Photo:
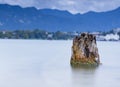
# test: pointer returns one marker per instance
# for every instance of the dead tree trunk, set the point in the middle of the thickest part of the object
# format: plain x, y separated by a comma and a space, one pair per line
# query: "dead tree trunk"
84, 50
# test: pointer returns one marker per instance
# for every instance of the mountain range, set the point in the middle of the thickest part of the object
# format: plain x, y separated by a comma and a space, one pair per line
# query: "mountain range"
14, 17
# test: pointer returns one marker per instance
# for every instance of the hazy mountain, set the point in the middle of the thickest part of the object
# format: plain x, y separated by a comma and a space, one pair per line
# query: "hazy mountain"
16, 17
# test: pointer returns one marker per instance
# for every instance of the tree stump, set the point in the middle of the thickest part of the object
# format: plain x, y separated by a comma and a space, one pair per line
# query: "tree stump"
85, 51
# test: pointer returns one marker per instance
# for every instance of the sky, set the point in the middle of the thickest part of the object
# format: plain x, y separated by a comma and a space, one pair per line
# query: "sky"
73, 6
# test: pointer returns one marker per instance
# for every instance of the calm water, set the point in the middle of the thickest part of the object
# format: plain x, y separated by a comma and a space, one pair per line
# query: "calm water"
37, 63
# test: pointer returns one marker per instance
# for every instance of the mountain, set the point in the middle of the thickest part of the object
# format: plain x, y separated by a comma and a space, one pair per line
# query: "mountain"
16, 17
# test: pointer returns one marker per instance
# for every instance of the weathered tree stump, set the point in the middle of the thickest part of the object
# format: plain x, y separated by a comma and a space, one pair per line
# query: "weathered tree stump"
85, 51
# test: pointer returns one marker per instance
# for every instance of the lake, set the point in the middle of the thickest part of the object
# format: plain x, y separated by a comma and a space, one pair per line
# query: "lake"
44, 63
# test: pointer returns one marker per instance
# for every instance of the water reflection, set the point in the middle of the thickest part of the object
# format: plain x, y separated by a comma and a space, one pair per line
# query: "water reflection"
83, 76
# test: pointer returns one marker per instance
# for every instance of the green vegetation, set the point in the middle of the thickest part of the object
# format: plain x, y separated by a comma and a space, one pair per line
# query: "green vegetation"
45, 35
35, 34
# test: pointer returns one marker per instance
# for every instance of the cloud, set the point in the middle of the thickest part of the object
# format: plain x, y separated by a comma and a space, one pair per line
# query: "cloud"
74, 6
23, 3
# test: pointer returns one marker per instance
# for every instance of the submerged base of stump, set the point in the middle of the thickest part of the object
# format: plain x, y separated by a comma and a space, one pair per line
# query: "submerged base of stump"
81, 63
85, 51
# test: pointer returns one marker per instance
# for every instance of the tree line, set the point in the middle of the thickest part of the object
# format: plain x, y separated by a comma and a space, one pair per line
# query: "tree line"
35, 34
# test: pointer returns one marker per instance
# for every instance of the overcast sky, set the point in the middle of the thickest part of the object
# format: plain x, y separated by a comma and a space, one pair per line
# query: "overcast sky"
73, 6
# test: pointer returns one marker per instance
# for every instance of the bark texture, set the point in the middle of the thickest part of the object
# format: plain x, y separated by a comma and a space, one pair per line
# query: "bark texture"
85, 51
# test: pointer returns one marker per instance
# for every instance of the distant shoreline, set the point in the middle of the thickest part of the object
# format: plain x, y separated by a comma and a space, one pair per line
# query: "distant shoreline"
59, 40
37, 34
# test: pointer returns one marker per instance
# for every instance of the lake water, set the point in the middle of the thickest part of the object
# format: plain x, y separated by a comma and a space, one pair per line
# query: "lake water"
39, 63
